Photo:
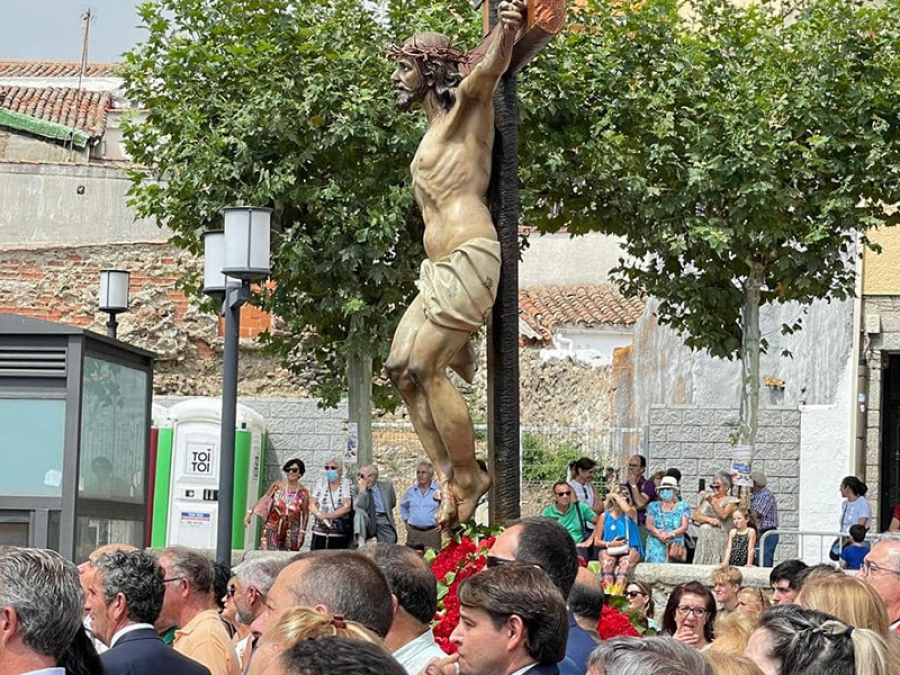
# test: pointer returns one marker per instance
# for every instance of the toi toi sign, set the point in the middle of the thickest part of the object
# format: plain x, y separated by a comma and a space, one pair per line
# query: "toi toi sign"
199, 459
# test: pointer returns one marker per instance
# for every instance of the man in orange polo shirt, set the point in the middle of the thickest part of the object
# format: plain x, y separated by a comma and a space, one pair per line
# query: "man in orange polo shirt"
188, 603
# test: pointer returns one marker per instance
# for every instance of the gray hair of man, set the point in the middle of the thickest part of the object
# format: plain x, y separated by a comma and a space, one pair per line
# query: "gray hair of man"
193, 566
260, 571
646, 656
372, 468
43, 589
428, 465
892, 541
137, 576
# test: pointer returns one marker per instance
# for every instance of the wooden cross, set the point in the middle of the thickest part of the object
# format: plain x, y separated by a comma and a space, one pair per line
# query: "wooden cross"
544, 19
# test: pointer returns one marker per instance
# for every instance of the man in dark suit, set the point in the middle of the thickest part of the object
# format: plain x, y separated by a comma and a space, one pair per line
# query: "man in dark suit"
512, 620
124, 595
374, 507
547, 544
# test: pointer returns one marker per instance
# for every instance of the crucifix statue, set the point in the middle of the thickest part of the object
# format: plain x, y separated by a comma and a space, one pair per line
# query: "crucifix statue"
458, 282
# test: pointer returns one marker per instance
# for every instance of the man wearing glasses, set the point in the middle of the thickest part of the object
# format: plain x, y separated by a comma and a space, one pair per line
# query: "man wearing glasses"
575, 517
881, 571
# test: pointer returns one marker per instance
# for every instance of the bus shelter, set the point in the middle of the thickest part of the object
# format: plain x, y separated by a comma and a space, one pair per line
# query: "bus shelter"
75, 419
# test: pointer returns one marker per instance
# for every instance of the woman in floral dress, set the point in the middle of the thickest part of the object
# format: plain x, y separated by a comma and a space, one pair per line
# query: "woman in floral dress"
285, 527
667, 521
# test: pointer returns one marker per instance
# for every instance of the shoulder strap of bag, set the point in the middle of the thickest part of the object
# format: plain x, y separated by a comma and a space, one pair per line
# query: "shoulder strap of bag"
577, 506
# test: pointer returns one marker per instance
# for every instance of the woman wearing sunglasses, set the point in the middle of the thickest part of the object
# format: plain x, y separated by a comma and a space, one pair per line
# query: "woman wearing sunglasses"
640, 602
288, 510
714, 516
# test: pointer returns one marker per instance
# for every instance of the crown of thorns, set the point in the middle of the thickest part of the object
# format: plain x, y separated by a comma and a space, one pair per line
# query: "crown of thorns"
446, 53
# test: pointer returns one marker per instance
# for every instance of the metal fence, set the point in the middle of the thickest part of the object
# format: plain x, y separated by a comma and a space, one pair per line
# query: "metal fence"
546, 452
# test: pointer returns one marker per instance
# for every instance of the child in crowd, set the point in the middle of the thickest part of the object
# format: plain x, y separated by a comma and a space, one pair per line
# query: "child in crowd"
741, 541
853, 554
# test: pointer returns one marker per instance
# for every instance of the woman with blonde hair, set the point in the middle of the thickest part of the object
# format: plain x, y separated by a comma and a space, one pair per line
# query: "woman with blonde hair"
752, 601
732, 631
730, 664
854, 602
848, 599
304, 623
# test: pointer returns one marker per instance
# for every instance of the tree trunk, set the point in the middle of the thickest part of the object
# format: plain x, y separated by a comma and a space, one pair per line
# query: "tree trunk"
750, 348
359, 400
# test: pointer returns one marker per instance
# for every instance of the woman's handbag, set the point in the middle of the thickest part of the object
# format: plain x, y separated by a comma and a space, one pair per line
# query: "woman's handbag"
676, 553
263, 507
618, 550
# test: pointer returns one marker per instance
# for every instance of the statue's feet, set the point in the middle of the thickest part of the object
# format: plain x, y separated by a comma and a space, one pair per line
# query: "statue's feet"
446, 516
469, 487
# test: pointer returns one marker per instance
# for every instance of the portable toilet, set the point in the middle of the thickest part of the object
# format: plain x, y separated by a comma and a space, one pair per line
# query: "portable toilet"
186, 507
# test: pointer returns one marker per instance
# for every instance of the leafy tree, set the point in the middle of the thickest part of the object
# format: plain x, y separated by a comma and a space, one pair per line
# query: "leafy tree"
288, 104
742, 151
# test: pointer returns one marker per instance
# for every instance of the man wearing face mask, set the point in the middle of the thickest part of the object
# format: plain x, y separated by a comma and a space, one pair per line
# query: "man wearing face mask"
667, 521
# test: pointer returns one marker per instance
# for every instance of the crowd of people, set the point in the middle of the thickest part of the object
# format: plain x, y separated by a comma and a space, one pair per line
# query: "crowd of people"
532, 609
535, 608
650, 520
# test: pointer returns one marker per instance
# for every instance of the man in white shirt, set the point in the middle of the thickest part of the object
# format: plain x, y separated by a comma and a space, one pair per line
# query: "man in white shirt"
40, 610
414, 590
123, 598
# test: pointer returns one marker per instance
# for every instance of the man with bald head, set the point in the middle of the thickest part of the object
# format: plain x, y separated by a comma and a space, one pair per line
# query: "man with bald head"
333, 582
881, 571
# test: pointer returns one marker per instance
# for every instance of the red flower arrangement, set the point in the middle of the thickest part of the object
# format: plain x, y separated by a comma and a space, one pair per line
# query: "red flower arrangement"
464, 555
615, 623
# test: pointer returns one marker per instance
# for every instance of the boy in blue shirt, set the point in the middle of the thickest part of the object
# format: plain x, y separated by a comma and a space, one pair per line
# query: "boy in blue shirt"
854, 552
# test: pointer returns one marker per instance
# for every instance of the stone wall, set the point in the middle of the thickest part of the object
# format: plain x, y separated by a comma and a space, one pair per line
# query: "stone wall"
698, 442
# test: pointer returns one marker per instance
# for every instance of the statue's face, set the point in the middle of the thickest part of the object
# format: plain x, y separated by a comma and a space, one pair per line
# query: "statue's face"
410, 85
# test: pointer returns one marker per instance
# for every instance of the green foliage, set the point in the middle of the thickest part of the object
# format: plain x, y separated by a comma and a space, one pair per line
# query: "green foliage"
290, 105
717, 139
545, 458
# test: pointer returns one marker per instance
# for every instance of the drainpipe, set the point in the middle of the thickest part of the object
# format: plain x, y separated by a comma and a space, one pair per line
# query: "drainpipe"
859, 392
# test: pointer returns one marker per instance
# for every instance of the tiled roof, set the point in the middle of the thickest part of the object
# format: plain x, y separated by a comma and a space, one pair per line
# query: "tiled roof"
63, 106
544, 308
55, 69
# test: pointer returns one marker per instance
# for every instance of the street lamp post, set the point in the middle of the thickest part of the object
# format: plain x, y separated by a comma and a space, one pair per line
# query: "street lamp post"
245, 245
114, 297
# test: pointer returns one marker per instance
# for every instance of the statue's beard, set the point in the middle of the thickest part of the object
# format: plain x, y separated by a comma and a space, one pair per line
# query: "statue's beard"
407, 97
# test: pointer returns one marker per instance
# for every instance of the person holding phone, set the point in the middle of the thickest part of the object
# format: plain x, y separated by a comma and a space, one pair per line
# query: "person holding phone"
714, 516
618, 540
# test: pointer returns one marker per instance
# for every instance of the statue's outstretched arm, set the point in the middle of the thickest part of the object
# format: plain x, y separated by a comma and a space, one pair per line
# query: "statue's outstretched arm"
483, 79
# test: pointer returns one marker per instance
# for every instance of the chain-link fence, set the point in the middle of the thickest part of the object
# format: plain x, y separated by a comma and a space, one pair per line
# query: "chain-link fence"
546, 452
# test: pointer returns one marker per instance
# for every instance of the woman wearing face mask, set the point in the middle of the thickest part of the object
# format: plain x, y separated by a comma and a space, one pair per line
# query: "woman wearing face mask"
667, 521
331, 506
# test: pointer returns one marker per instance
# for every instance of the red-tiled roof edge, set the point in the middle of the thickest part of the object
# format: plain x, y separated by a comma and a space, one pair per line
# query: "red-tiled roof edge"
592, 305
16, 68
